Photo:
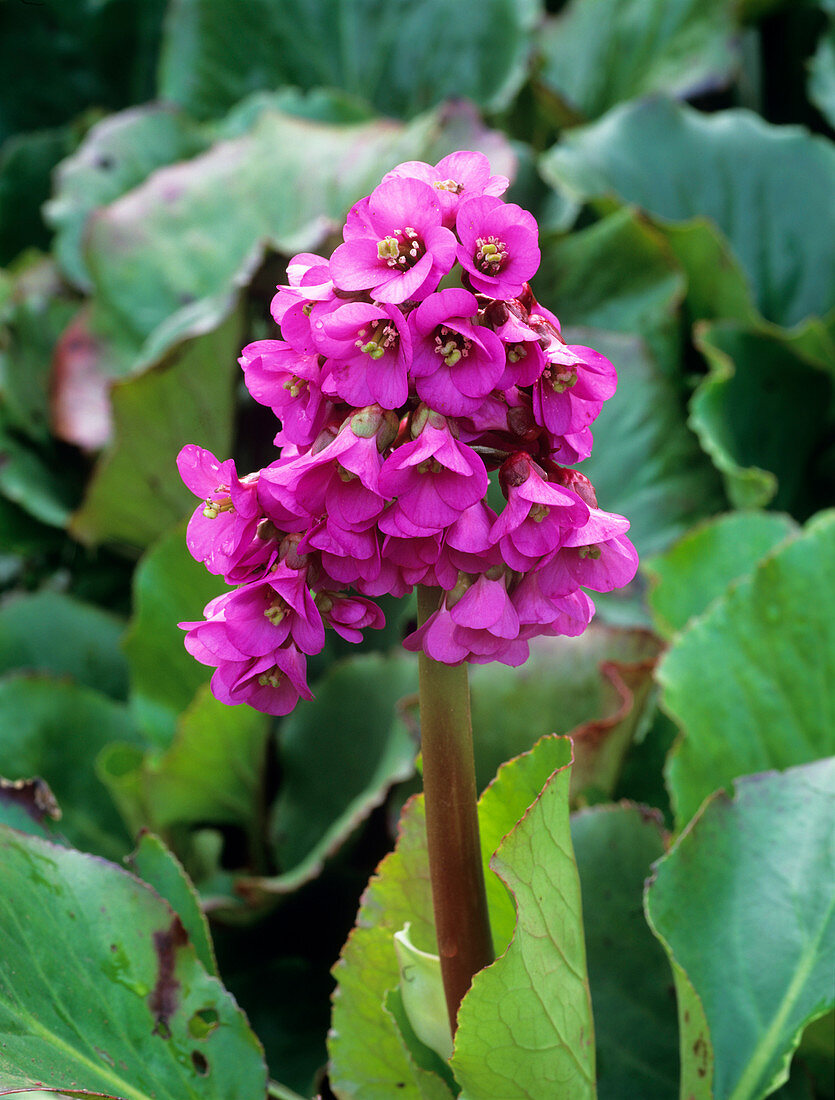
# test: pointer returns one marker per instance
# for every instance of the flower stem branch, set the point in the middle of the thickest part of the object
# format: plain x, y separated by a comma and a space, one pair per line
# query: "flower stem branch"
465, 944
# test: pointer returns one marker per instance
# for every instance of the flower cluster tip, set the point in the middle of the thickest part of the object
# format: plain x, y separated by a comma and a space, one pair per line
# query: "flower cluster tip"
412, 364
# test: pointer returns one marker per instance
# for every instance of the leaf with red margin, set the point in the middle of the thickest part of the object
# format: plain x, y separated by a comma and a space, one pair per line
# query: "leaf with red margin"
594, 687
80, 410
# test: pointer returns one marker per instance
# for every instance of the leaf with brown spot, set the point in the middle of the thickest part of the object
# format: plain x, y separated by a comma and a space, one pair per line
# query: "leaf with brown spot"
743, 906
29, 805
108, 1008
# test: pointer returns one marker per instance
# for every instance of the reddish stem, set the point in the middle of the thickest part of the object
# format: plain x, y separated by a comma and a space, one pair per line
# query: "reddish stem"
455, 867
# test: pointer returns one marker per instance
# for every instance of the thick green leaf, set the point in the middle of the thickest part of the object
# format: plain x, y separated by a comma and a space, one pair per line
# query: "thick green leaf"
214, 769
317, 104
759, 376
135, 493
338, 757
194, 230
636, 1033
646, 464
212, 774
156, 865
525, 1026
750, 682
593, 687
618, 275
369, 1058
116, 154
390, 54
422, 994
169, 587
516, 787
816, 1053
52, 632
753, 878
701, 565
716, 284
730, 167
597, 53
54, 729
45, 482
129, 1017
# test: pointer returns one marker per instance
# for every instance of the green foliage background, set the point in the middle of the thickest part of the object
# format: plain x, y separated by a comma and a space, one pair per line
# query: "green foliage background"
159, 162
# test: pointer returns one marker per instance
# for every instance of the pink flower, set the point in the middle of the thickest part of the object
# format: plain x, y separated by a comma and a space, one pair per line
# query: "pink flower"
456, 178
571, 390
344, 557
395, 400
349, 615
395, 245
456, 362
597, 555
290, 384
369, 349
261, 616
223, 525
538, 516
480, 625
309, 276
498, 248
540, 614
340, 481
434, 478
272, 684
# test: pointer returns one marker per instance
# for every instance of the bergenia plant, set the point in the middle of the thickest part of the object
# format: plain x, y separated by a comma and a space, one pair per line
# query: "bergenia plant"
414, 364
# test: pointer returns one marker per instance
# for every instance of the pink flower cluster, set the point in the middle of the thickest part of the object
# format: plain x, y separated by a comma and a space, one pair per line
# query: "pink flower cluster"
413, 362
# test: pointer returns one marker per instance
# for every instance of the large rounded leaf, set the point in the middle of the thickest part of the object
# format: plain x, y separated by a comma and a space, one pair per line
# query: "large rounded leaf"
598, 53
646, 463
750, 682
701, 565
731, 167
752, 878
135, 1014
617, 275
193, 230
53, 632
403, 58
761, 376
594, 688
116, 154
370, 1059
213, 772
338, 755
135, 494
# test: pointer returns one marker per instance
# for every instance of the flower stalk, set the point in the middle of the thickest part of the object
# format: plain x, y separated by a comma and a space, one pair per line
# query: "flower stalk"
459, 899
